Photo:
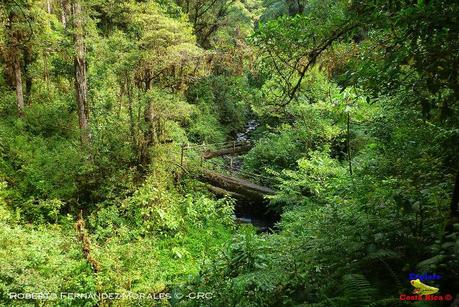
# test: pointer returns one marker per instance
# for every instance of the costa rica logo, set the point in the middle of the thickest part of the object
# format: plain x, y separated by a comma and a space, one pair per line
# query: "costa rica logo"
422, 289
424, 292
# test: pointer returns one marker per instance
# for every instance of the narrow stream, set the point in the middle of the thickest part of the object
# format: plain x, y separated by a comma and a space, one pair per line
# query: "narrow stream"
246, 211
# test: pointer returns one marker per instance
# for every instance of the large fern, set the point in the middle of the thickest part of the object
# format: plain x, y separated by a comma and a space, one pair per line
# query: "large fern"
356, 290
381, 256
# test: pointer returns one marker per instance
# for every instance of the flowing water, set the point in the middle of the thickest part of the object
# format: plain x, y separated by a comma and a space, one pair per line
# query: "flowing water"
246, 211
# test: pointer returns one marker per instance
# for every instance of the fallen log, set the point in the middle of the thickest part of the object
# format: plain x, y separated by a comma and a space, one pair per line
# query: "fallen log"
238, 149
223, 192
236, 185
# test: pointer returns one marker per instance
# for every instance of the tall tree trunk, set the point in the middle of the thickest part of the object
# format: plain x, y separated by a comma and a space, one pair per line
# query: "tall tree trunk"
65, 12
81, 85
18, 83
14, 55
48, 6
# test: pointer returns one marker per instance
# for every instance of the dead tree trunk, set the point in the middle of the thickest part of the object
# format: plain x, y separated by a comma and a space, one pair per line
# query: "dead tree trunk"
81, 85
83, 237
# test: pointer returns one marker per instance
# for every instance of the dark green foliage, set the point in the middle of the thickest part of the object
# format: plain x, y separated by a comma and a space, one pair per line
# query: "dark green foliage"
223, 105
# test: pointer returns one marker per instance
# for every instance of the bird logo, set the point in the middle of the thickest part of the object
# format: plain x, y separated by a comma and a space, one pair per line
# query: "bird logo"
422, 289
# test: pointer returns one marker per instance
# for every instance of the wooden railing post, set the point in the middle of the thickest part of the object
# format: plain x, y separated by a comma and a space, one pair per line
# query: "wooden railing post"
201, 155
231, 157
181, 154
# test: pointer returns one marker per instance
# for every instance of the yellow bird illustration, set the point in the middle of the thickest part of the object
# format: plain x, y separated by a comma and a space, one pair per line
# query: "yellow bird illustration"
423, 289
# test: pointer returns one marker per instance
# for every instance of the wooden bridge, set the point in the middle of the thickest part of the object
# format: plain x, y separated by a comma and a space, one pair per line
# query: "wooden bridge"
227, 184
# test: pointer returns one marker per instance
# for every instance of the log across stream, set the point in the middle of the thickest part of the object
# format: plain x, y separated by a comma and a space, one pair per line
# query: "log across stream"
251, 206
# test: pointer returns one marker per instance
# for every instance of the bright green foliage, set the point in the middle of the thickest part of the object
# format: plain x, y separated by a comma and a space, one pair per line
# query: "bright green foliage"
176, 233
46, 259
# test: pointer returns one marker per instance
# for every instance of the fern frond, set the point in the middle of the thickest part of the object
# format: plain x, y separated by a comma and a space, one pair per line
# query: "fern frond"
382, 255
358, 289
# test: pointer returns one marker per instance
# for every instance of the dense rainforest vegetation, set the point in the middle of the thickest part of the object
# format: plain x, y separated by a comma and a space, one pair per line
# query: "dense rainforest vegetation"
348, 116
